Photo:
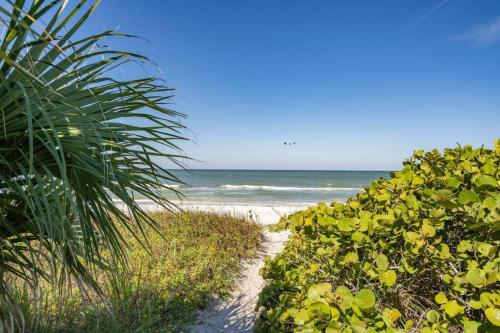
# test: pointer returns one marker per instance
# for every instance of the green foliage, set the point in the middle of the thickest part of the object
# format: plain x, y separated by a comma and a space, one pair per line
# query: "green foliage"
72, 137
418, 252
198, 255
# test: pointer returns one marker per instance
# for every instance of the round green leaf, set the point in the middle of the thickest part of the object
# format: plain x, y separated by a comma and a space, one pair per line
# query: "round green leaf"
417, 180
365, 299
486, 249
321, 251
411, 201
388, 277
446, 278
391, 315
452, 308
471, 326
344, 297
438, 213
319, 292
320, 310
452, 182
382, 262
441, 298
486, 299
357, 236
444, 251
345, 225
442, 195
485, 182
383, 197
493, 315
302, 317
432, 316
411, 237
409, 324
351, 258
428, 230
467, 196
464, 246
476, 277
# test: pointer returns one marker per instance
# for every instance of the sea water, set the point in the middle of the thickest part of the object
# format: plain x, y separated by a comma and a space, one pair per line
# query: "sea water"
271, 187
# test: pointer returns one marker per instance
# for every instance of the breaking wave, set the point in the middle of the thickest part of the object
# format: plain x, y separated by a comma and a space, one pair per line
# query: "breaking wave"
288, 188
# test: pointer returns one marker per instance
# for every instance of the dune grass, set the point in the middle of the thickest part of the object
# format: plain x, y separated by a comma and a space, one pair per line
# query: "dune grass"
198, 256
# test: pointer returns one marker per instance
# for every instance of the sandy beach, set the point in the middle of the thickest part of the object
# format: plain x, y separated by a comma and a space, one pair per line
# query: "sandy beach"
264, 214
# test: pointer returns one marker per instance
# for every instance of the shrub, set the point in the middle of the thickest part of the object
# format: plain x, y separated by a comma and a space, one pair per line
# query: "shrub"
416, 252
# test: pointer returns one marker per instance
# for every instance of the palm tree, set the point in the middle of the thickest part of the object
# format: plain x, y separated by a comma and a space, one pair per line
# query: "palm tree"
72, 138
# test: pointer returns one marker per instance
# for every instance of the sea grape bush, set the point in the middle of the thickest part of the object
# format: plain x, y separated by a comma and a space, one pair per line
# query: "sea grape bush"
418, 252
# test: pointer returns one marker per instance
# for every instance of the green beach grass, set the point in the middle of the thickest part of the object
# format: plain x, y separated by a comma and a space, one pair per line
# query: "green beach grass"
196, 256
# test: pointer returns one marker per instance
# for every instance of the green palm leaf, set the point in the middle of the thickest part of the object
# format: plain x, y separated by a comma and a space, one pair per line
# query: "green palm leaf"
72, 138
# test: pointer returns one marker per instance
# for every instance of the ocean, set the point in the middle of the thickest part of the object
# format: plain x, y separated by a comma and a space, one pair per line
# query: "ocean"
272, 187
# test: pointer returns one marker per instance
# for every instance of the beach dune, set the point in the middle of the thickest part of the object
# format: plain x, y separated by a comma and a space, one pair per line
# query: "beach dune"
237, 313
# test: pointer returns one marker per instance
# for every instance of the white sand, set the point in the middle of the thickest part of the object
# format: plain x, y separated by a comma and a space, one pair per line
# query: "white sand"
263, 214
237, 313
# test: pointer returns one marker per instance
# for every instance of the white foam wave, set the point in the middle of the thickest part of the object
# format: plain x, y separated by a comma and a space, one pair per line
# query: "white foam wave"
288, 188
166, 186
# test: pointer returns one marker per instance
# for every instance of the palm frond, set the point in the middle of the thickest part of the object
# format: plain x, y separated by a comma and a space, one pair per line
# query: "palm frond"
72, 139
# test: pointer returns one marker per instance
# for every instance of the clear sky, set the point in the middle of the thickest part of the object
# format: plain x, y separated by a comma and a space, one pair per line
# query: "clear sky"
356, 84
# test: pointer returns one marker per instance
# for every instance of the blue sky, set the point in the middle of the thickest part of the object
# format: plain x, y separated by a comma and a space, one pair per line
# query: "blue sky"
356, 84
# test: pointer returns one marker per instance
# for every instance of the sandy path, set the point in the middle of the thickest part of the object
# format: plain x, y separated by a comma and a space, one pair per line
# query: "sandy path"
237, 314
